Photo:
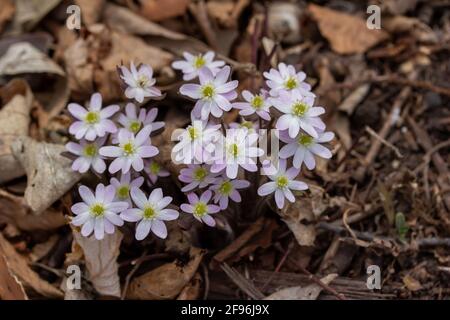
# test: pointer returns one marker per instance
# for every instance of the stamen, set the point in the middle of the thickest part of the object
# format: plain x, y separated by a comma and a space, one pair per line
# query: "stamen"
282, 182
92, 117
200, 209
97, 210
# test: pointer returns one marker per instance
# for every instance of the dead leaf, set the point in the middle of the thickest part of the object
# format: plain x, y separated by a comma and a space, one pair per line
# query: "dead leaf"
310, 292
18, 265
49, 174
91, 10
347, 34
166, 281
14, 122
418, 29
283, 21
10, 286
411, 283
30, 12
158, 10
399, 6
101, 261
7, 10
192, 290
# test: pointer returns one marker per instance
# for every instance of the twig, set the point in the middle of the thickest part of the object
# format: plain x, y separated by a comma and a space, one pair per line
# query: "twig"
201, 15
243, 283
206, 278
384, 141
279, 265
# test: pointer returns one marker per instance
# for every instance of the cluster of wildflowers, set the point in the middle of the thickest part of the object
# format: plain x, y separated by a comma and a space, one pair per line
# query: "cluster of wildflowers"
217, 158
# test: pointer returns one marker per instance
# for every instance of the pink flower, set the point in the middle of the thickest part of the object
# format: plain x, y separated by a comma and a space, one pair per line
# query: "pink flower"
124, 186
258, 104
140, 82
191, 66
287, 79
225, 188
92, 122
88, 155
99, 212
251, 126
282, 183
196, 176
304, 147
200, 208
131, 151
155, 170
134, 122
151, 213
213, 94
299, 113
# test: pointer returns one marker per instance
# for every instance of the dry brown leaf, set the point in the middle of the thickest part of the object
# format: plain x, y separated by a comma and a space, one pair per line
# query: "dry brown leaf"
192, 290
411, 283
49, 174
14, 210
14, 122
30, 12
158, 10
101, 261
399, 6
10, 286
91, 10
7, 10
419, 30
166, 281
283, 22
310, 292
347, 34
19, 267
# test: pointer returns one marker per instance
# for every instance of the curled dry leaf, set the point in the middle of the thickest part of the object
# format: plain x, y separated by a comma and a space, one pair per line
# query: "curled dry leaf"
419, 30
49, 174
30, 12
310, 292
101, 261
10, 286
283, 22
91, 10
13, 210
347, 34
192, 290
158, 10
14, 122
166, 281
18, 266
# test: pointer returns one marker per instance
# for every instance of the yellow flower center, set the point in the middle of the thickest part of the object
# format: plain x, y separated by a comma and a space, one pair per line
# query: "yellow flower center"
282, 182
247, 124
135, 126
233, 149
291, 83
199, 62
257, 102
200, 174
92, 117
128, 148
90, 150
305, 140
200, 209
193, 133
97, 210
155, 167
142, 81
226, 188
208, 91
299, 109
123, 192
149, 212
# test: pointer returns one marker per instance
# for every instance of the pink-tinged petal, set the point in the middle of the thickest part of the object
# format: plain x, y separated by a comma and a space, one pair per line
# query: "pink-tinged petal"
191, 90
99, 229
291, 173
187, 208
96, 102
235, 196
143, 229
212, 208
297, 185
130, 93
240, 184
138, 164
309, 160
127, 164
193, 198
242, 105
108, 126
131, 215
148, 151
110, 151
222, 75
309, 129
215, 110
114, 218
138, 197
208, 220
320, 150
267, 188
232, 170
315, 111
114, 182
294, 129
168, 214
206, 196
91, 134
143, 135
124, 135
116, 165
279, 198
205, 75
146, 70
251, 167
156, 196
247, 95
159, 229
81, 219
99, 165
190, 186
223, 103
325, 137
87, 195
223, 202
164, 202
282, 165
109, 111
100, 192
81, 165
74, 148
264, 115
151, 115
78, 128
77, 111
180, 65
79, 208
87, 228
109, 227
284, 122
110, 193
299, 157
138, 182
288, 150
117, 206
227, 87
289, 195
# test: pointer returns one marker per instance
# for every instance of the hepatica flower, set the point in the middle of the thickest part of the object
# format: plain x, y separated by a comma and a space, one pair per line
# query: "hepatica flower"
286, 78
140, 82
131, 151
134, 122
124, 186
99, 212
88, 155
304, 147
200, 208
155, 170
225, 188
282, 183
213, 94
151, 213
196, 176
258, 104
245, 124
299, 113
192, 64
93, 121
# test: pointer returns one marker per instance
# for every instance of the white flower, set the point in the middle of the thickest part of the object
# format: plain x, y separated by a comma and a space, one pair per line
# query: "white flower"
287, 79
196, 176
151, 213
282, 183
258, 104
124, 186
88, 155
213, 94
299, 113
140, 82
237, 149
304, 147
98, 213
191, 66
134, 122
155, 170
200, 208
225, 188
